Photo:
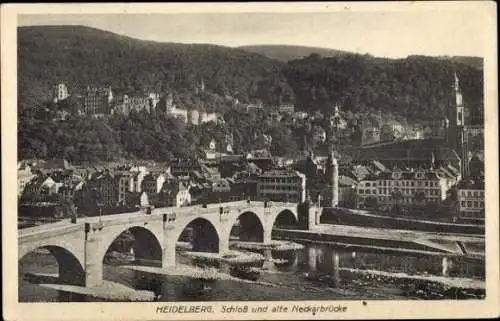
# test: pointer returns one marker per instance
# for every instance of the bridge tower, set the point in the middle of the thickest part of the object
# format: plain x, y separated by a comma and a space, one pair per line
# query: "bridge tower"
332, 172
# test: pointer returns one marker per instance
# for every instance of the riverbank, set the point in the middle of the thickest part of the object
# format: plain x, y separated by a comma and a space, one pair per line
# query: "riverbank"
107, 291
274, 245
420, 287
193, 272
362, 218
388, 240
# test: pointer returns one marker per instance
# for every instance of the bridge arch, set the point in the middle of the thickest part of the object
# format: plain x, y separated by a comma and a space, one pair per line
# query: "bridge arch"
204, 234
251, 226
70, 264
147, 243
284, 218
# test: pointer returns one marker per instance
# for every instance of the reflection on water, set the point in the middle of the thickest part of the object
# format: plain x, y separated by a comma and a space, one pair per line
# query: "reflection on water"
313, 273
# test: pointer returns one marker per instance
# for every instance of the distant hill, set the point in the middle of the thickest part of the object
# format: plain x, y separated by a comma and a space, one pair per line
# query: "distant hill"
82, 56
475, 62
288, 52
416, 88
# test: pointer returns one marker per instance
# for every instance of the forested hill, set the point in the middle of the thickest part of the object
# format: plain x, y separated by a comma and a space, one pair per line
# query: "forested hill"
417, 88
288, 52
82, 56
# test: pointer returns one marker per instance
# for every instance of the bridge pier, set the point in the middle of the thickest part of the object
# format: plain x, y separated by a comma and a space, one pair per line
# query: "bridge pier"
336, 268
267, 235
312, 258
268, 263
223, 244
168, 251
93, 262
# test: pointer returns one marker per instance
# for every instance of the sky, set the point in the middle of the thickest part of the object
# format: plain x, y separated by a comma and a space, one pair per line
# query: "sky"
385, 34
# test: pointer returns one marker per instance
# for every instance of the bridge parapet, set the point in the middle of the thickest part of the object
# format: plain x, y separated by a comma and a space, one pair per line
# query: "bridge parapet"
38, 234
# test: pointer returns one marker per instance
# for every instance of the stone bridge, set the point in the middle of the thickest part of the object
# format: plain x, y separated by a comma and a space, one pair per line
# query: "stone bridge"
79, 248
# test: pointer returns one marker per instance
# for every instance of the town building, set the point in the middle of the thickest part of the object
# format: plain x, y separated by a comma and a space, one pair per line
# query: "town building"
221, 186
146, 103
152, 183
95, 101
54, 164
336, 120
403, 187
286, 108
319, 135
456, 136
370, 135
409, 153
184, 167
254, 106
60, 92
413, 132
470, 196
282, 185
391, 130
40, 188
24, 176
183, 196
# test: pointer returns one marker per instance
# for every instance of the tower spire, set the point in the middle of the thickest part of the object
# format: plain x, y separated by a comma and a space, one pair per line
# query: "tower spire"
456, 84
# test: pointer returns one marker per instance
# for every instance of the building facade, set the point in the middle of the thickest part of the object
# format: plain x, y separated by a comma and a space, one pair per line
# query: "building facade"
370, 135
398, 187
96, 101
153, 183
60, 92
282, 185
145, 103
470, 196
24, 176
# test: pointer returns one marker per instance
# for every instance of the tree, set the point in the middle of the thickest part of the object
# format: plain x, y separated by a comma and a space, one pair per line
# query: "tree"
371, 202
396, 196
420, 197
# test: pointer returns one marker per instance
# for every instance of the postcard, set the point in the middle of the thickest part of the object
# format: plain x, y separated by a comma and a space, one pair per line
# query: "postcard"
281, 160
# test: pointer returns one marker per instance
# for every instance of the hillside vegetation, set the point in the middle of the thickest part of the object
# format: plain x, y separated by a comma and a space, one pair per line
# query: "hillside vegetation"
287, 53
417, 88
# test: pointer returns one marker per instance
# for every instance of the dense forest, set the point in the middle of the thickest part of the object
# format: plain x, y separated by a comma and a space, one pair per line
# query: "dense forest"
154, 136
417, 89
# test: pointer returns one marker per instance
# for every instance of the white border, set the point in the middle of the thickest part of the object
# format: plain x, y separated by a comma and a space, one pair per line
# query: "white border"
140, 311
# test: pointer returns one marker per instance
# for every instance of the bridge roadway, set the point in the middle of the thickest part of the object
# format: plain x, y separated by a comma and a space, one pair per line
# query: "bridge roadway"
80, 247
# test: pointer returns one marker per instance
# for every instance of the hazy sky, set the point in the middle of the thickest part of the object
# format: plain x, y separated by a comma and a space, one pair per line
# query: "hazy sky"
390, 34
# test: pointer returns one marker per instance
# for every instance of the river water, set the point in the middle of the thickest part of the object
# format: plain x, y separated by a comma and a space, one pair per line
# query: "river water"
307, 274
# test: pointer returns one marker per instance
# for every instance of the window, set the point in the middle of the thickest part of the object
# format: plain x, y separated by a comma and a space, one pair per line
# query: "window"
481, 204
476, 204
463, 204
412, 183
426, 184
469, 203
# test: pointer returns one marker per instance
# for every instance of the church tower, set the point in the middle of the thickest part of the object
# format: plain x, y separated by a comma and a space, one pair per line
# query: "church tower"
456, 138
459, 104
